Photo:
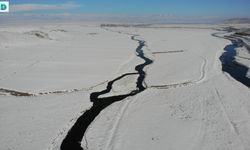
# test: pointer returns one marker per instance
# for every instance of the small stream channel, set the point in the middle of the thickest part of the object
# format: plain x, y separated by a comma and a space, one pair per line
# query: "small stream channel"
75, 135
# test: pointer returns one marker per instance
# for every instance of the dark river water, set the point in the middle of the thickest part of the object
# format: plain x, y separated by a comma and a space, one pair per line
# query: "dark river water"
229, 65
75, 135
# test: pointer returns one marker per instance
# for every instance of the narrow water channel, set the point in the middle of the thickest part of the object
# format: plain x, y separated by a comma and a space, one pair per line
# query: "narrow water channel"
73, 139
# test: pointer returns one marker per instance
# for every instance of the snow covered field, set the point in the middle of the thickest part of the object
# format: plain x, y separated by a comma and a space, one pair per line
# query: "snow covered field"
189, 103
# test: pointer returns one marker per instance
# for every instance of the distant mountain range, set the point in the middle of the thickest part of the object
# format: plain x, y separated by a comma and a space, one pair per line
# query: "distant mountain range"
237, 20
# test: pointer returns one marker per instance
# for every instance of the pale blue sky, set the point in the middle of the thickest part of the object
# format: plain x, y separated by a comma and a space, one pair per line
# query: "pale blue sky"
213, 8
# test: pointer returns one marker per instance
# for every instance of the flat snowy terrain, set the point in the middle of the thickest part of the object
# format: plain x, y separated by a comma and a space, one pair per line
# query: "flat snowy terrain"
48, 73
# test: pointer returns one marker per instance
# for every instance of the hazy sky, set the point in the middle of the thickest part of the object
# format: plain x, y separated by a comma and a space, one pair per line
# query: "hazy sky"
208, 8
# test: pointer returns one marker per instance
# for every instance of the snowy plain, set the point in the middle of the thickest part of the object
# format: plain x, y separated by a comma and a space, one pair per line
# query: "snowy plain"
189, 102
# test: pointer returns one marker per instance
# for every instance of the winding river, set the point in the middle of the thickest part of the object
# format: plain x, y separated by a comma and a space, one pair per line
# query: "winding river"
76, 133
231, 66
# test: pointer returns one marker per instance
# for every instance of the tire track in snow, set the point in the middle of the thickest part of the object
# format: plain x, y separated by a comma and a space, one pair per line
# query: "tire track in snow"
203, 72
187, 83
230, 122
119, 116
225, 113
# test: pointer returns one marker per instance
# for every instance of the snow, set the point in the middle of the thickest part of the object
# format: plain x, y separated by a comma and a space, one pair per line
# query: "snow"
189, 103
34, 122
210, 113
83, 55
69, 60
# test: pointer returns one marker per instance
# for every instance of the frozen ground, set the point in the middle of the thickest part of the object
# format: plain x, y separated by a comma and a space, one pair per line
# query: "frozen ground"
189, 102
